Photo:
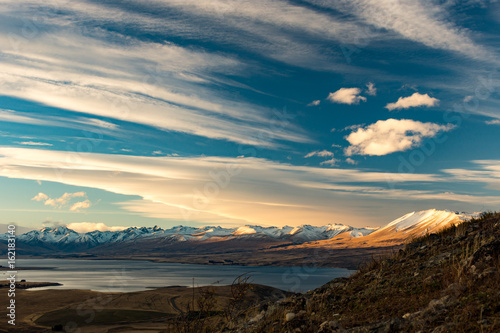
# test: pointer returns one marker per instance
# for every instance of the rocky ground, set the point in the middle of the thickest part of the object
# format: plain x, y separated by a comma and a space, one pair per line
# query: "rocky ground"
444, 282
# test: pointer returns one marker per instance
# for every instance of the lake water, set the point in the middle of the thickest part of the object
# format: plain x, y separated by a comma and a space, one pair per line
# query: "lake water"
135, 275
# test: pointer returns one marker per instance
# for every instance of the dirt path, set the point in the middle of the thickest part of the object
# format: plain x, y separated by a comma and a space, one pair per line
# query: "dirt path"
172, 303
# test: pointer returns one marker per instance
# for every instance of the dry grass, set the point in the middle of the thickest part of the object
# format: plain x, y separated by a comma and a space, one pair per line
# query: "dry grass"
446, 281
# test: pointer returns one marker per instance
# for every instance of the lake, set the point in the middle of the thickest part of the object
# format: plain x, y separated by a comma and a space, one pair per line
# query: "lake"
136, 275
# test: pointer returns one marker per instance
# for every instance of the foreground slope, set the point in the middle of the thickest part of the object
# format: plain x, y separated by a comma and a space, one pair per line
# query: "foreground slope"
156, 310
443, 282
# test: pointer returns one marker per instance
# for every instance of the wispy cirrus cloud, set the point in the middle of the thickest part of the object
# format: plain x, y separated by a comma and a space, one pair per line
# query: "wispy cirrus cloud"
483, 171
80, 123
420, 21
170, 84
225, 190
34, 143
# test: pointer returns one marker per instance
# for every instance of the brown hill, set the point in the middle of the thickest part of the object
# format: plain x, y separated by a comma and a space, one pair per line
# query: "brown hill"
443, 282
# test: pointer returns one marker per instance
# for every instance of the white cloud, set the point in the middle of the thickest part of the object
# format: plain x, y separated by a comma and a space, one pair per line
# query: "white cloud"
83, 227
314, 103
100, 123
353, 127
78, 206
391, 135
372, 91
414, 100
346, 96
330, 162
63, 200
322, 153
493, 122
467, 99
351, 161
40, 197
33, 143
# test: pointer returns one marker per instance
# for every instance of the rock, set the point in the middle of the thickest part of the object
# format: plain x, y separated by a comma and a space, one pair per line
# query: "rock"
487, 272
437, 304
439, 259
328, 326
442, 329
289, 316
456, 288
257, 318
491, 249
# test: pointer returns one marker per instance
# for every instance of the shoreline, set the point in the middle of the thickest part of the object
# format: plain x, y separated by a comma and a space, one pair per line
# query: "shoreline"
29, 285
301, 263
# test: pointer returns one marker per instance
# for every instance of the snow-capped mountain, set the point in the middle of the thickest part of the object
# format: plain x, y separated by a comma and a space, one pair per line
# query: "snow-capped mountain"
309, 233
415, 224
407, 226
62, 237
427, 221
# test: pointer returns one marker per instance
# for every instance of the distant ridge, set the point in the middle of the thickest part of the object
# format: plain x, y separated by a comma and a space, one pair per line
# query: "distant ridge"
218, 239
65, 238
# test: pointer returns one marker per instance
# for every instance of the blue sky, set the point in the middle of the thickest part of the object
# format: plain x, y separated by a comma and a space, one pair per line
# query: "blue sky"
247, 112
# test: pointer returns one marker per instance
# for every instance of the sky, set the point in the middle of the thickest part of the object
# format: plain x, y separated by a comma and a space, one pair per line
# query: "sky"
123, 113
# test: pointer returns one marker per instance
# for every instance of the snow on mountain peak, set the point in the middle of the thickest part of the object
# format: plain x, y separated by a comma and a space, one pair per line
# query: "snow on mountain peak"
246, 230
415, 223
427, 219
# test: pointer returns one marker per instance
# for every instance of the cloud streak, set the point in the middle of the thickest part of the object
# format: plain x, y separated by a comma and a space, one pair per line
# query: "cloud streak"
224, 190
170, 85
416, 20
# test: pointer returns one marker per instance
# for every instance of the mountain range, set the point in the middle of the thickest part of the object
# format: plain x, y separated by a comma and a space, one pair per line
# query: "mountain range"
63, 239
